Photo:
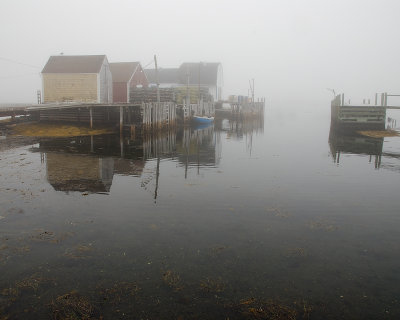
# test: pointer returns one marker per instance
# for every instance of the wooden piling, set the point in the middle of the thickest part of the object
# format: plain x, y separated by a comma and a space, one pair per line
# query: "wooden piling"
133, 132
121, 119
91, 117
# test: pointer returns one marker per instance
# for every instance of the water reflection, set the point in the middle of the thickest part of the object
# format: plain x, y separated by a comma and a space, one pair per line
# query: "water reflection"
88, 164
200, 147
237, 129
354, 143
239, 241
73, 172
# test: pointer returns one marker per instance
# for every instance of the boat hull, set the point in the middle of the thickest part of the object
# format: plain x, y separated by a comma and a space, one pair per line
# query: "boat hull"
203, 120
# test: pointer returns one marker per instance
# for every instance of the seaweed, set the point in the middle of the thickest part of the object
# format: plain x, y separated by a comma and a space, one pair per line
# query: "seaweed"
296, 252
57, 130
253, 308
79, 251
322, 225
173, 280
72, 306
212, 285
120, 292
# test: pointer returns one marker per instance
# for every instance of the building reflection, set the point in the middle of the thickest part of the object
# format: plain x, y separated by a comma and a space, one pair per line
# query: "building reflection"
74, 172
89, 163
241, 129
238, 129
351, 142
198, 147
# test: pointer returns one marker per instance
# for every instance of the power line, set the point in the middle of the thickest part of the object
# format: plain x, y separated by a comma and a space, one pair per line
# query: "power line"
148, 64
20, 63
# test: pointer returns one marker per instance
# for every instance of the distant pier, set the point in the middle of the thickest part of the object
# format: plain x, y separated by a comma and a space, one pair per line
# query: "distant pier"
358, 116
240, 108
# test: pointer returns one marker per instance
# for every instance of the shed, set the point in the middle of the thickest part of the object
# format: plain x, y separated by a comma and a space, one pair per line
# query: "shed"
126, 77
167, 77
193, 74
204, 74
85, 79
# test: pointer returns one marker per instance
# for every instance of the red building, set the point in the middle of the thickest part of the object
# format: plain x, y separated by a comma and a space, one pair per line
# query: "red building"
126, 76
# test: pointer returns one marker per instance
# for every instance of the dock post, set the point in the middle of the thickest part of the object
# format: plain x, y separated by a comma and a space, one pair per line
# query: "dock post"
91, 117
133, 132
121, 119
121, 144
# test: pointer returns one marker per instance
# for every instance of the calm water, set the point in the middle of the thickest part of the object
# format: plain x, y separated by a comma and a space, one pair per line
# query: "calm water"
272, 219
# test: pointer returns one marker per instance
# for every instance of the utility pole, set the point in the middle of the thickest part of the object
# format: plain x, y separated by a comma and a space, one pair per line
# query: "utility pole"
158, 83
187, 88
252, 89
199, 82
253, 93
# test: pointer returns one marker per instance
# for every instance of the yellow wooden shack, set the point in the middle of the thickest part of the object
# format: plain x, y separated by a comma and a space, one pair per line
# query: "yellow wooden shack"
85, 79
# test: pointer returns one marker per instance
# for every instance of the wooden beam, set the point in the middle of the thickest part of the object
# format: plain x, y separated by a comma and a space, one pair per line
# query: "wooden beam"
121, 119
91, 117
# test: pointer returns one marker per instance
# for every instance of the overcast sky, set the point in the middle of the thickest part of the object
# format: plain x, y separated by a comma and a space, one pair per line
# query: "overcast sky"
294, 49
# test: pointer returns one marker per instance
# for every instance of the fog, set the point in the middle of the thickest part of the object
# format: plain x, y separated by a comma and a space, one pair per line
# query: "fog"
294, 49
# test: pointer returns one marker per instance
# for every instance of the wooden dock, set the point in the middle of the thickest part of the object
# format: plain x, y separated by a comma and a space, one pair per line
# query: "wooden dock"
357, 117
351, 142
142, 116
13, 110
242, 110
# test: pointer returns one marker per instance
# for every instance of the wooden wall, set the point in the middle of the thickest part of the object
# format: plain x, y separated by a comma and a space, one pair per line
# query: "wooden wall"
139, 78
157, 115
69, 87
120, 94
72, 172
106, 84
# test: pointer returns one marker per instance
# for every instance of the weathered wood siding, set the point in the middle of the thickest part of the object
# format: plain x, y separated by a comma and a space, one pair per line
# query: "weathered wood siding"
157, 115
120, 94
71, 172
69, 87
139, 78
105, 82
220, 83
80, 114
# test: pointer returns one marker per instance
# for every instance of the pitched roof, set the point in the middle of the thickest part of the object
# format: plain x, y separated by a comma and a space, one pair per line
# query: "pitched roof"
74, 64
165, 75
123, 71
204, 72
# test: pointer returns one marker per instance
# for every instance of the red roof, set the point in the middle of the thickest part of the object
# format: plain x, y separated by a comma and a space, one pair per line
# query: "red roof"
123, 71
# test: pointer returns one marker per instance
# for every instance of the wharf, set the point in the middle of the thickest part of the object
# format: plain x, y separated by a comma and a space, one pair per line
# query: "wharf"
241, 110
357, 117
13, 110
133, 117
143, 116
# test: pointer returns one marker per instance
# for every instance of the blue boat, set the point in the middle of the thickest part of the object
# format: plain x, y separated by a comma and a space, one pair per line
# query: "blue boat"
203, 120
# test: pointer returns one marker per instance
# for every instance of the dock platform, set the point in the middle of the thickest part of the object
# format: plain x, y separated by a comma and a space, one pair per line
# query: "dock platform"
143, 116
357, 117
